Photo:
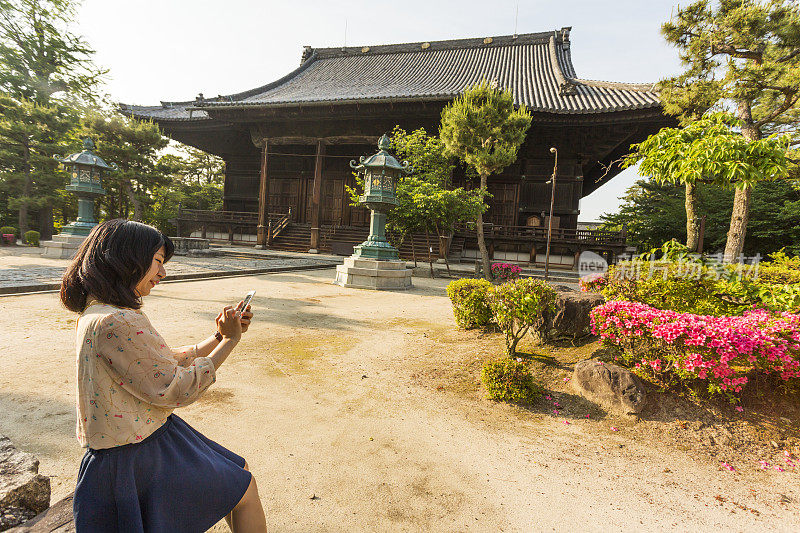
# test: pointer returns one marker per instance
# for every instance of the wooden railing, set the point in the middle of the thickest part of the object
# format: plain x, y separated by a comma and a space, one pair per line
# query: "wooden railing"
538, 233
276, 223
244, 221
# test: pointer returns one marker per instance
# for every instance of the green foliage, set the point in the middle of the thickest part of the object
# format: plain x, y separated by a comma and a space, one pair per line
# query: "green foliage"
781, 269
133, 145
9, 230
741, 55
508, 380
519, 306
484, 129
735, 50
671, 277
167, 199
470, 302
682, 287
40, 57
30, 134
710, 151
425, 200
654, 213
32, 238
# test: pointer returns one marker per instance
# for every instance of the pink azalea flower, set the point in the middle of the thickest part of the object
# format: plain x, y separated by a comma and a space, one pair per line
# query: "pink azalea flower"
739, 408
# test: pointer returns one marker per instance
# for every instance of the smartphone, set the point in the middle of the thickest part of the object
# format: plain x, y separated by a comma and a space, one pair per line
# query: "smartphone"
241, 308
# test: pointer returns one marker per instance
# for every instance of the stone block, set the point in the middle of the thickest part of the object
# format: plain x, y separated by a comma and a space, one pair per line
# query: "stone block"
373, 274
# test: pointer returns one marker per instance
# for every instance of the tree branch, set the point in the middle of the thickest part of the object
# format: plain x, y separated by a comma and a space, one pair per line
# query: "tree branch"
733, 52
790, 98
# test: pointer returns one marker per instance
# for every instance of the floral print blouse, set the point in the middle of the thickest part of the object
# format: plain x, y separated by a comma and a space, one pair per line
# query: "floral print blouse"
129, 380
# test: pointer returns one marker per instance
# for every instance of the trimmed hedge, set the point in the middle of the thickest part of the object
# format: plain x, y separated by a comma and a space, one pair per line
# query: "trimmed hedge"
32, 238
508, 380
470, 303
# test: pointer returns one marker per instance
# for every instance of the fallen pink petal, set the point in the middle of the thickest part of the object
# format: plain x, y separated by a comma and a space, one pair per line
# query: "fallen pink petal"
566, 422
727, 466
614, 428
739, 408
778, 468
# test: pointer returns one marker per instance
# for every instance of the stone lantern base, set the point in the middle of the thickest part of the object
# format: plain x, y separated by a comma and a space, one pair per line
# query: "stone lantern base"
63, 246
372, 274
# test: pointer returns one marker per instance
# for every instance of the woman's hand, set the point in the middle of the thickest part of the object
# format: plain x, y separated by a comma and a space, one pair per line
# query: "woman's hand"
229, 324
245, 318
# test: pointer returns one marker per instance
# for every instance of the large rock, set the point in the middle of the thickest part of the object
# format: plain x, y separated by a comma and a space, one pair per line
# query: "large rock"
24, 492
571, 317
611, 386
56, 519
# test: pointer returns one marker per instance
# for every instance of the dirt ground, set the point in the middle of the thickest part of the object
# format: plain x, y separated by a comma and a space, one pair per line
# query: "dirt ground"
362, 411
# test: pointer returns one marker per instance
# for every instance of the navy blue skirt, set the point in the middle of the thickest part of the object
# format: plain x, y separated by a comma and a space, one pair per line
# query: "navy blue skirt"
175, 480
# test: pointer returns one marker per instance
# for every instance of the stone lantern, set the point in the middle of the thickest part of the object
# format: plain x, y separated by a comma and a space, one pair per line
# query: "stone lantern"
375, 263
86, 171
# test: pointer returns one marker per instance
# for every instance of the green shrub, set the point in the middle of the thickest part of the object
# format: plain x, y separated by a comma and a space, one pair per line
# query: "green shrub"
781, 269
519, 306
32, 238
684, 287
470, 304
508, 380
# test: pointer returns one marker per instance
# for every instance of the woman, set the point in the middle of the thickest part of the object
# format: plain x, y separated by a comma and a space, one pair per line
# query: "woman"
146, 469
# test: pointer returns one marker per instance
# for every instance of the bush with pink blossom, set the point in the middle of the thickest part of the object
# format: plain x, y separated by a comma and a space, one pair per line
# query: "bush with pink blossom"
593, 282
722, 351
505, 271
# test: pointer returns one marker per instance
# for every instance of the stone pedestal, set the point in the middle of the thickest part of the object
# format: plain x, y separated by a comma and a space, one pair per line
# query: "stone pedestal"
371, 274
63, 246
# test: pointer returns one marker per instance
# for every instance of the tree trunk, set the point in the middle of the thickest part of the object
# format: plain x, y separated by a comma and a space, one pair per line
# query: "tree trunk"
487, 269
137, 205
741, 198
26, 193
692, 220
46, 222
443, 249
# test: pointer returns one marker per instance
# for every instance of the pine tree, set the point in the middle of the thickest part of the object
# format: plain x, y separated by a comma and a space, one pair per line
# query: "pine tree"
742, 55
133, 145
30, 134
484, 129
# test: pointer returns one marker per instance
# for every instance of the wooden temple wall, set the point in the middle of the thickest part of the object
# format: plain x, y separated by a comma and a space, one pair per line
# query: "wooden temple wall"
518, 194
291, 180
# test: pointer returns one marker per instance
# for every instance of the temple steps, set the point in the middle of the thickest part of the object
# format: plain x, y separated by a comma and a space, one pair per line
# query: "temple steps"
294, 238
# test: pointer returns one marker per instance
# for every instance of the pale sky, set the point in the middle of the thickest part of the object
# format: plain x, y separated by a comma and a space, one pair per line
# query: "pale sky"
174, 49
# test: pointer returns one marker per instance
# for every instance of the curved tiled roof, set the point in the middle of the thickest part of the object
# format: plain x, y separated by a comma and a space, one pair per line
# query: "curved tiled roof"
537, 67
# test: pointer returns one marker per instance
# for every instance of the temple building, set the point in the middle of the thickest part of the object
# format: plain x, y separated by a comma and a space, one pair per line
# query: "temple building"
287, 145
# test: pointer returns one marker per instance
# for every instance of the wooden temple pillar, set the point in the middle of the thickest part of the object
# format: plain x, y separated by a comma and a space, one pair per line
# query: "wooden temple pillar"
263, 238
316, 197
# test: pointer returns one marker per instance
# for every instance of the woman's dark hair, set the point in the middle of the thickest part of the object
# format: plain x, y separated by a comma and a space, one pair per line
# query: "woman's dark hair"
110, 262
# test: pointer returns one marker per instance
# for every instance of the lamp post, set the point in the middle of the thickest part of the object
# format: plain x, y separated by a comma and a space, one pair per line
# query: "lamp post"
381, 173
553, 151
86, 170
375, 263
